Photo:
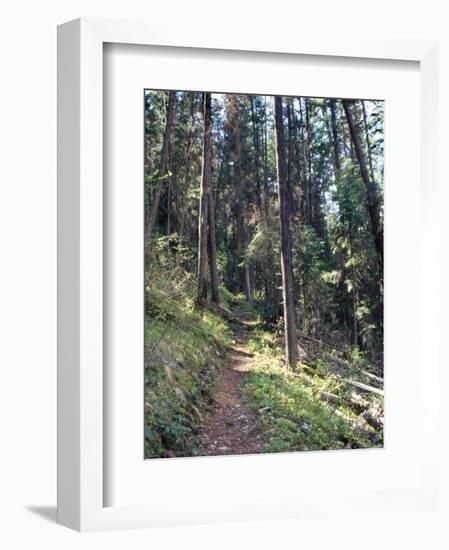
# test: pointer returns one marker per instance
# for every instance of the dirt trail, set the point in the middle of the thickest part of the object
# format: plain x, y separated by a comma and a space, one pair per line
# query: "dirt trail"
231, 427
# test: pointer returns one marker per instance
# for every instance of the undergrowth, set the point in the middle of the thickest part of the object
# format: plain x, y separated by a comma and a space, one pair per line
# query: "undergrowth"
292, 413
304, 409
183, 351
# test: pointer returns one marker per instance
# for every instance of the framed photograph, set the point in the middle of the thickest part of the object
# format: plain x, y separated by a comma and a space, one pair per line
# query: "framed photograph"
246, 229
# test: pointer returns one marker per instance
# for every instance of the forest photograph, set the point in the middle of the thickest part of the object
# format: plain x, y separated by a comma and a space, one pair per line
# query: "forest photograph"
263, 283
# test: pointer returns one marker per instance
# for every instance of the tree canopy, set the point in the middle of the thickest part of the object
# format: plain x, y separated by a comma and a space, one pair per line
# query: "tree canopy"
275, 200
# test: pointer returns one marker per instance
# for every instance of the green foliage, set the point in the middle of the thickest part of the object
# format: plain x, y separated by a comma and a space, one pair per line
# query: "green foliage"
183, 350
294, 417
358, 358
290, 405
227, 299
338, 295
263, 342
265, 239
334, 258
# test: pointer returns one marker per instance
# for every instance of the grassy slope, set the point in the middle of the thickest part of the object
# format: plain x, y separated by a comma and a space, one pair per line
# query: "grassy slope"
293, 415
183, 350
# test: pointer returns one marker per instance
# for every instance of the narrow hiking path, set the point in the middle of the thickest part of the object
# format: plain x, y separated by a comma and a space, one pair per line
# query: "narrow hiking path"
231, 427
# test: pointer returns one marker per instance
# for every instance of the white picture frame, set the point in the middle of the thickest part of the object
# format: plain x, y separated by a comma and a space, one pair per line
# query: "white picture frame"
81, 488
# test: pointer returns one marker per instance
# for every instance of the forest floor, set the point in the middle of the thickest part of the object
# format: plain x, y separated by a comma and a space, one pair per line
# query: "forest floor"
216, 383
231, 427
261, 406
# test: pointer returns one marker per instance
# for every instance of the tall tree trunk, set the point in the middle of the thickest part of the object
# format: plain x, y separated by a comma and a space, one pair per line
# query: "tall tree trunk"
335, 140
256, 152
327, 123
270, 290
256, 144
297, 190
204, 203
290, 155
314, 183
306, 198
188, 163
246, 267
266, 190
240, 205
303, 205
368, 143
212, 250
354, 287
310, 201
371, 192
169, 193
210, 199
163, 166
247, 285
286, 253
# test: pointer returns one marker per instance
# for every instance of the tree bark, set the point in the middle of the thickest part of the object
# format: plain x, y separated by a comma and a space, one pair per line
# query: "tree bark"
169, 192
213, 251
204, 204
303, 204
247, 283
368, 142
256, 152
163, 167
286, 254
297, 191
210, 199
310, 182
371, 192
335, 140
314, 183
290, 155
188, 160
256, 144
270, 290
240, 198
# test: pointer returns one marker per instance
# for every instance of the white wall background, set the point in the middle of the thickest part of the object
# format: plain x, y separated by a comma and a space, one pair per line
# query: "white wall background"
28, 268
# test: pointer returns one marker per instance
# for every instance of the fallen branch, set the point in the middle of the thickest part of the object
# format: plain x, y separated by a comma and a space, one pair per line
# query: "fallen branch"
376, 380
330, 398
355, 404
363, 387
360, 430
